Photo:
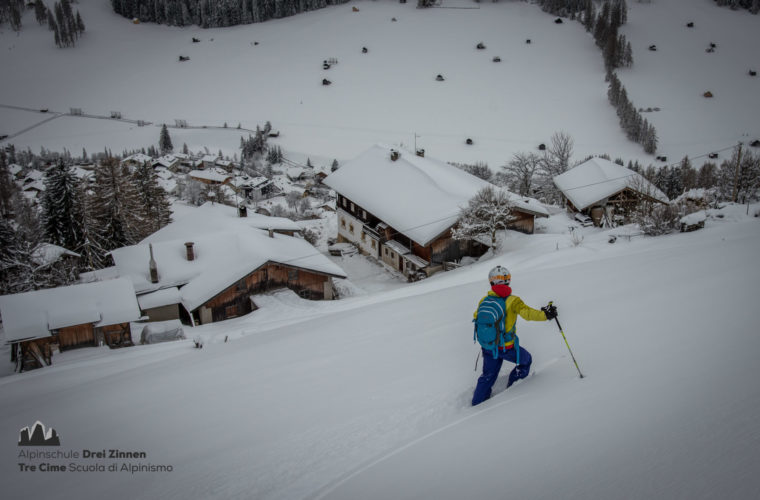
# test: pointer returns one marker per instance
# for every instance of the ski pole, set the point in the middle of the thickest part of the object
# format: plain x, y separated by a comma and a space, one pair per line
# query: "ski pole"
568, 345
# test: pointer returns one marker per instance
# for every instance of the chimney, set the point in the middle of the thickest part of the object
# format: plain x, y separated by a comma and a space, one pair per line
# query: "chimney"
394, 155
271, 232
152, 266
421, 153
189, 250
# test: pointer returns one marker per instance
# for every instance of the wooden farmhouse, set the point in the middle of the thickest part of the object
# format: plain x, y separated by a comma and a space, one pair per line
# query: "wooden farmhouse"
169, 162
89, 314
400, 207
211, 176
606, 191
205, 266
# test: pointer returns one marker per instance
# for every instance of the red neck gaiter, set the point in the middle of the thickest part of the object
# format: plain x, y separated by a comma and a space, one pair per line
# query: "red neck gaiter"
501, 290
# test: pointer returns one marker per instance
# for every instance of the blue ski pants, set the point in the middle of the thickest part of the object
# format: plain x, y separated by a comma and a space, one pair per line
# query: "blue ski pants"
491, 369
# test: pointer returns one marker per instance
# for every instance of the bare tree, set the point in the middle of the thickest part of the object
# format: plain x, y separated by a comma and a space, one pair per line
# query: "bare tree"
488, 212
556, 161
518, 175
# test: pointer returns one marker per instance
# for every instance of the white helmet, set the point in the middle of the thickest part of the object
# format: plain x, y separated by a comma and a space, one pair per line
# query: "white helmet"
499, 275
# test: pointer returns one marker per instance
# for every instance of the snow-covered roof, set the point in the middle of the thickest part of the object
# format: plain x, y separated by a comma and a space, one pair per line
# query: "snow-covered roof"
33, 175
251, 182
159, 298
15, 168
166, 161
596, 179
137, 158
295, 173
209, 159
420, 197
212, 174
221, 259
83, 173
34, 186
215, 217
32, 315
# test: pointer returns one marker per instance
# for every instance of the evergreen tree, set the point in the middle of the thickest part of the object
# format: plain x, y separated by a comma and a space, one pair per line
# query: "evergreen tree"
116, 206
91, 247
40, 12
61, 221
164, 141
155, 202
8, 188
79, 23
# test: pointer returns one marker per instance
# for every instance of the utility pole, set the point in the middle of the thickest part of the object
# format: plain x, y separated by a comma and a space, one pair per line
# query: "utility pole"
736, 173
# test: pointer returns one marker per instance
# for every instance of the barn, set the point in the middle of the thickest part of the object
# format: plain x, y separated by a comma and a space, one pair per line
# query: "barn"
211, 276
68, 317
605, 191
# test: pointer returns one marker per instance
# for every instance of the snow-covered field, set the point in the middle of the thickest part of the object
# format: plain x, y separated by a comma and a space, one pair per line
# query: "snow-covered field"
368, 397
389, 94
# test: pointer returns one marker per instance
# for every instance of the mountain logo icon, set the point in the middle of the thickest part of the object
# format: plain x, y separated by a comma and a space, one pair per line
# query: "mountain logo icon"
38, 436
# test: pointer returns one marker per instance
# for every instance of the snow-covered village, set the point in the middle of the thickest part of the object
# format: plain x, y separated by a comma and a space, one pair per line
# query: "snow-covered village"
373, 249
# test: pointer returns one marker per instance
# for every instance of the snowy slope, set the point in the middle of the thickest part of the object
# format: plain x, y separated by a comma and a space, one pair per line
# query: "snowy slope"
368, 397
389, 94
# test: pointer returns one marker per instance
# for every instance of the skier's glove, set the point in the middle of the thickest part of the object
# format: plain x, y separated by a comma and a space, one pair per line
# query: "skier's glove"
550, 311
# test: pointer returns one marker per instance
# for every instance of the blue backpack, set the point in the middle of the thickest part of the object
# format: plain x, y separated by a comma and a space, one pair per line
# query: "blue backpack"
489, 324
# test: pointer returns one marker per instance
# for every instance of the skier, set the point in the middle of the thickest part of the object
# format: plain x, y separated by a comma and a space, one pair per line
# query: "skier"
510, 349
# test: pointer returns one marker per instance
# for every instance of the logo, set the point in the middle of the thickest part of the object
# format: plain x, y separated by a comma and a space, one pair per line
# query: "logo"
38, 436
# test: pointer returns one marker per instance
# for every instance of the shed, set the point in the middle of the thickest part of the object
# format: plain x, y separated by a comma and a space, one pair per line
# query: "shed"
601, 188
73, 316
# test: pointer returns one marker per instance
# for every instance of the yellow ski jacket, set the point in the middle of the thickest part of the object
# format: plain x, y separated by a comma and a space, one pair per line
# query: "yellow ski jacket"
515, 306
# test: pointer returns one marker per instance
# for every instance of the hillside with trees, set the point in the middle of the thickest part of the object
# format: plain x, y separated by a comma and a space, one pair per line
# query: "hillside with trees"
214, 13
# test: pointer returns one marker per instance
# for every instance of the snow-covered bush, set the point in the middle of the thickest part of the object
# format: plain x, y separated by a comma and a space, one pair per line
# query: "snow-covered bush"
659, 220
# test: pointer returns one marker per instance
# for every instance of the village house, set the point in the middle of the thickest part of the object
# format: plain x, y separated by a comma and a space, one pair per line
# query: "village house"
254, 187
170, 162
226, 165
136, 160
209, 262
400, 207
605, 191
68, 317
211, 176
208, 161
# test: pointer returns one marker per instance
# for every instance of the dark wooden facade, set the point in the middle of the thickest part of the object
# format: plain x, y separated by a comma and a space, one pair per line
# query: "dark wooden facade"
235, 300
620, 206
30, 354
442, 249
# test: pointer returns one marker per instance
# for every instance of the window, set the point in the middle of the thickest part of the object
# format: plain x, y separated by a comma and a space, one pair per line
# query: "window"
351, 228
292, 274
364, 214
343, 223
241, 286
374, 244
343, 201
364, 237
353, 208
305, 294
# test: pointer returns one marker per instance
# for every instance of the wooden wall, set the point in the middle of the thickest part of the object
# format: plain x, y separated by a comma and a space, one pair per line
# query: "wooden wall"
235, 300
71, 337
